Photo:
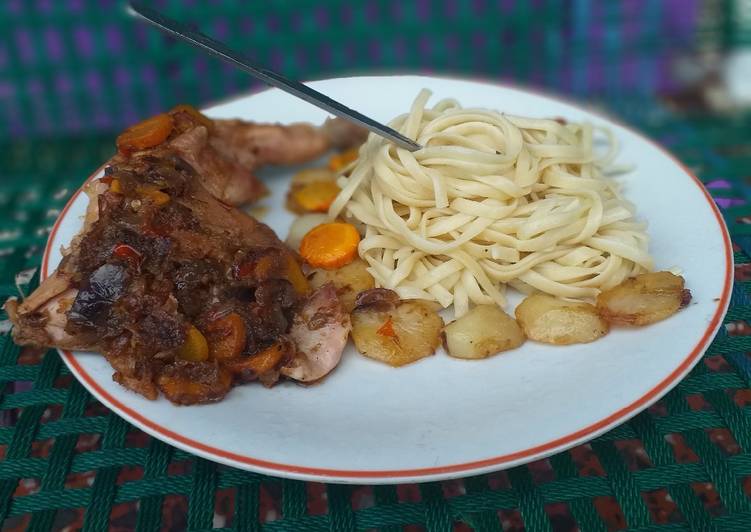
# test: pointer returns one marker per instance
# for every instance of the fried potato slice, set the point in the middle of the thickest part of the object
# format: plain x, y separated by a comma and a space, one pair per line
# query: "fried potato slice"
644, 299
394, 331
312, 175
349, 280
552, 320
483, 331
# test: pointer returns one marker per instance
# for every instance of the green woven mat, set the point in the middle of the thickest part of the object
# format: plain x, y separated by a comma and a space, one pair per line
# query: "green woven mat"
684, 464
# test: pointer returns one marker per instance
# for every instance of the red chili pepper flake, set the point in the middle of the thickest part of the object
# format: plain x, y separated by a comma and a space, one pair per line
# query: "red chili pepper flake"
387, 329
128, 253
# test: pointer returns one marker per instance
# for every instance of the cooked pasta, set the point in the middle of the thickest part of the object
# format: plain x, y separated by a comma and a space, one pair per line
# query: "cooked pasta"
490, 200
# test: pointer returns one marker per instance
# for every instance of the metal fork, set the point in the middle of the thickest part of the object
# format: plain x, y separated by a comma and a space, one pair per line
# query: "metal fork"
204, 42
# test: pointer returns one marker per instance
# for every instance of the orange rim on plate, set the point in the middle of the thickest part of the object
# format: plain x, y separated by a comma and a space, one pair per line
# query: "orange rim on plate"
531, 453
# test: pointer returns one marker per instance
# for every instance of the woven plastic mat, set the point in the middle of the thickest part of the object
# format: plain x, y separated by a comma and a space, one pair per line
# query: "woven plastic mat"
85, 65
684, 464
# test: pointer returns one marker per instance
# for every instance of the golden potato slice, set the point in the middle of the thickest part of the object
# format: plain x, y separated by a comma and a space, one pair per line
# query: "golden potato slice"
307, 176
349, 280
644, 299
483, 331
393, 331
551, 320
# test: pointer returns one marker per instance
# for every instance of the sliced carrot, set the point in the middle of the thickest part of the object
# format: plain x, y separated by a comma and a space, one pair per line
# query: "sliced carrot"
226, 337
330, 246
115, 186
197, 115
265, 360
340, 160
205, 383
316, 197
296, 277
195, 348
147, 134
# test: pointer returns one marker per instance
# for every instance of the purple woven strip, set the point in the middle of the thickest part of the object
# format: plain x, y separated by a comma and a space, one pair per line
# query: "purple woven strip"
729, 202
422, 8
83, 41
581, 52
114, 39
14, 6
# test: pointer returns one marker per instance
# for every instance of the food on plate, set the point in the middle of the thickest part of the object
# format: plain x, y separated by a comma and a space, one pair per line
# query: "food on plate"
225, 153
644, 299
483, 331
551, 320
315, 197
182, 293
296, 143
320, 332
312, 190
227, 337
186, 383
195, 348
187, 296
341, 160
146, 134
330, 245
300, 227
308, 176
349, 281
393, 330
491, 200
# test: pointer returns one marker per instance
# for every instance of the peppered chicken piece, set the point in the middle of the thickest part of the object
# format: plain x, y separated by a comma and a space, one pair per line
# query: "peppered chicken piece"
226, 153
183, 294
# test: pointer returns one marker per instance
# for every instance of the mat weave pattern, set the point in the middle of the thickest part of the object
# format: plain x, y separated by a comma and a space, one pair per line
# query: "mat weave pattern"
685, 464
84, 65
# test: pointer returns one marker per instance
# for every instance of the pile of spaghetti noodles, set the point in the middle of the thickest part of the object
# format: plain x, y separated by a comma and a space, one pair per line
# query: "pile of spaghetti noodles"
491, 200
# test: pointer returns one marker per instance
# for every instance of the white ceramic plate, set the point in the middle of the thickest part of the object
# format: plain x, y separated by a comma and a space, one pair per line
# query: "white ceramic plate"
443, 417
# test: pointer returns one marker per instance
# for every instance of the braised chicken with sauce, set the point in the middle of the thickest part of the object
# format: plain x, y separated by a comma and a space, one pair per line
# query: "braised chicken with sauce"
182, 293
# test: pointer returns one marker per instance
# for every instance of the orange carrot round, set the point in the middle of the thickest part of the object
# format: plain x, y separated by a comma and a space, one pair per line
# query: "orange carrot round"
317, 196
147, 134
330, 246
194, 113
226, 337
340, 160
